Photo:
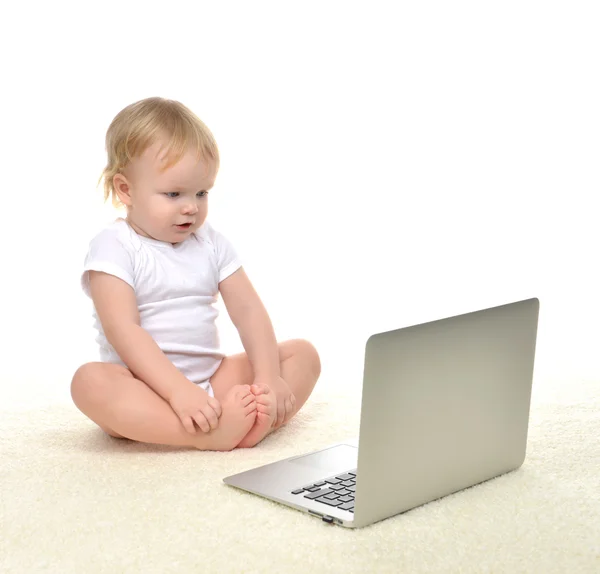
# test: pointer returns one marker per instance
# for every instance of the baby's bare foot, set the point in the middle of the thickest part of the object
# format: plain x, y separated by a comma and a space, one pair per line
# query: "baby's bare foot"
237, 418
266, 413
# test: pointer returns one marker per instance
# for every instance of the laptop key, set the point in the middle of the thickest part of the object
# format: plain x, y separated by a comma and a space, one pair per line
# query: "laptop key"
347, 499
313, 488
333, 481
343, 492
351, 488
336, 487
319, 483
348, 483
347, 506
329, 502
299, 491
314, 495
333, 496
346, 476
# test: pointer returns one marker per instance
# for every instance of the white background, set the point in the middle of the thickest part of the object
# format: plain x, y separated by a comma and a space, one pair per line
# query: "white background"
383, 164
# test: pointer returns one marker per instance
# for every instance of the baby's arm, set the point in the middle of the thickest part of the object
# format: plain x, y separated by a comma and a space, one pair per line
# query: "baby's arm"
118, 313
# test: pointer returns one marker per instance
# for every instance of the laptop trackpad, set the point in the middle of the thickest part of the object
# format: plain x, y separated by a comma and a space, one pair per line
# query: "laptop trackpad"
335, 459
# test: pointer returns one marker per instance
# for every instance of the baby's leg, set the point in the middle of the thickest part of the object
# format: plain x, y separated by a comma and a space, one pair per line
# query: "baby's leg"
124, 406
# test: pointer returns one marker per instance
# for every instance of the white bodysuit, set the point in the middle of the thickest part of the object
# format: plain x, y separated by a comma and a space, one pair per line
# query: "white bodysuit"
176, 287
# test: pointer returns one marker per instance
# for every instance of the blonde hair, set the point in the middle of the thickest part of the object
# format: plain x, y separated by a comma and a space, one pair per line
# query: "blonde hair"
141, 124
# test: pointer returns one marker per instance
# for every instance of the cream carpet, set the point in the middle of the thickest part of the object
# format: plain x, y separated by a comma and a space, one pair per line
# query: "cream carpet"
75, 500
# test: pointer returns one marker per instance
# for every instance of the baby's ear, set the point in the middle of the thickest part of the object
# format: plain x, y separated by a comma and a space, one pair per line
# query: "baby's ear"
122, 188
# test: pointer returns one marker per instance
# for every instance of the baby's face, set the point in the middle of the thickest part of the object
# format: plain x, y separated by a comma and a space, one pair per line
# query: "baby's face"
168, 205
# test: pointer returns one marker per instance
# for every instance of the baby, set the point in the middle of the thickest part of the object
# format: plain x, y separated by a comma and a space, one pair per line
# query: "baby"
154, 277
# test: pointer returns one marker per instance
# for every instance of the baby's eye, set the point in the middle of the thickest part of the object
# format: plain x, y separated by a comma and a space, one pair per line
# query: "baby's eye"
172, 194
202, 193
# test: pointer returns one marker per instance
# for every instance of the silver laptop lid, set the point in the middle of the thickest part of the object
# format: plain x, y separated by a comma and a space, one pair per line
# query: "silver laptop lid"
452, 397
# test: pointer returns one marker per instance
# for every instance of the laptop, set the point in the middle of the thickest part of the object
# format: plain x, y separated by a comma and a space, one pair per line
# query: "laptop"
445, 406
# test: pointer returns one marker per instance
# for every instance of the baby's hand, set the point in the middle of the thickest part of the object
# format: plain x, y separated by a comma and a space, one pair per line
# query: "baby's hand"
193, 404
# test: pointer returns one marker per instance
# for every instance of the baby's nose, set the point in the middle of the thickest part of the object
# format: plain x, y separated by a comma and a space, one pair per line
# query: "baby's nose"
191, 208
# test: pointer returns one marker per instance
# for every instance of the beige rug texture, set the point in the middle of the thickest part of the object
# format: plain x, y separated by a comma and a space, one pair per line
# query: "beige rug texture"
76, 500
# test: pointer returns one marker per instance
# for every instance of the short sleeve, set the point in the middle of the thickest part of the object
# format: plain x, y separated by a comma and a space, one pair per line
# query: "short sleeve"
228, 260
108, 253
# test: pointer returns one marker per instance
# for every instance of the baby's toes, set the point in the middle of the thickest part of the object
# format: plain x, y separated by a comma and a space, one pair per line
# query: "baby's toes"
260, 389
248, 399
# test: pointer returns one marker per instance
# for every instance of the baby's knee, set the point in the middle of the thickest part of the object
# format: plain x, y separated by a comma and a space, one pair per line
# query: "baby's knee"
310, 354
82, 377
87, 382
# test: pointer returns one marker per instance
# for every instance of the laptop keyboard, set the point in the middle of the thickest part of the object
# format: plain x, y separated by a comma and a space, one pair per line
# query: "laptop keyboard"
335, 491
